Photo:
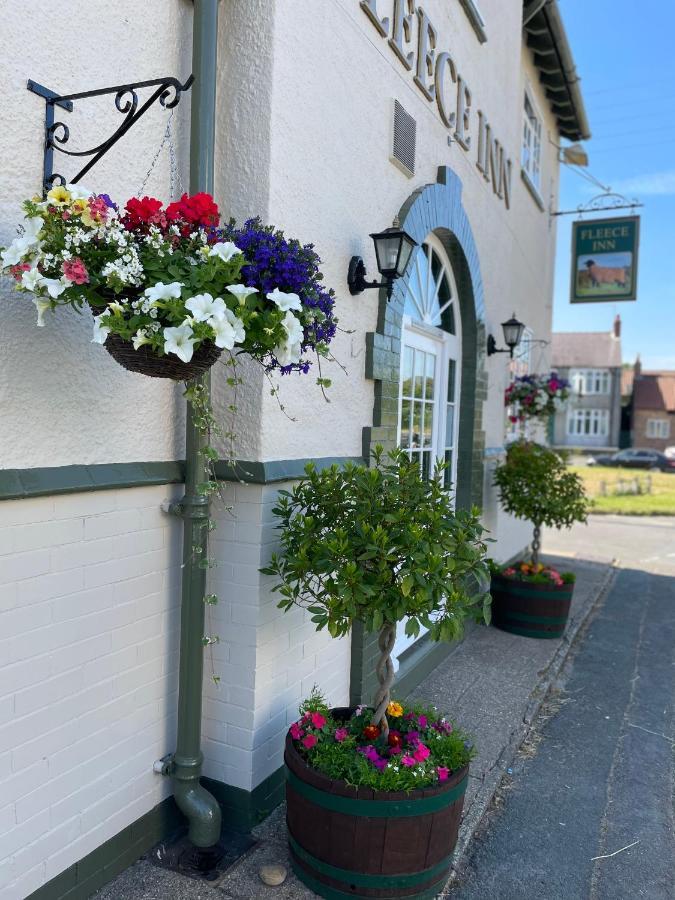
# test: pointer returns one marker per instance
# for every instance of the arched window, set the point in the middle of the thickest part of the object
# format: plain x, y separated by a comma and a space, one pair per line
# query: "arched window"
430, 361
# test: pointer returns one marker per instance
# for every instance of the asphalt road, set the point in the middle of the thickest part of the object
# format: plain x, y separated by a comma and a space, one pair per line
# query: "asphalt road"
601, 778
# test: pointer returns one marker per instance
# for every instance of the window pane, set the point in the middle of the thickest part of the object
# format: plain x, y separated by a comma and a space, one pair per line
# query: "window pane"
419, 374
407, 371
450, 425
417, 425
447, 474
428, 423
427, 468
451, 381
430, 366
406, 410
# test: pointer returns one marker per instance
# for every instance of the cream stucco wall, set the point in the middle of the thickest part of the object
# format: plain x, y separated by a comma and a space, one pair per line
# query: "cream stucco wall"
64, 400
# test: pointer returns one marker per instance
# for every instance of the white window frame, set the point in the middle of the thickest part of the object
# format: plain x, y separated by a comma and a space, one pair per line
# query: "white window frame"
588, 423
589, 382
531, 146
658, 428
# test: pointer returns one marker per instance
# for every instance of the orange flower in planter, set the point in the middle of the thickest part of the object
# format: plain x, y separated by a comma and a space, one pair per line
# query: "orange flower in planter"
371, 732
395, 709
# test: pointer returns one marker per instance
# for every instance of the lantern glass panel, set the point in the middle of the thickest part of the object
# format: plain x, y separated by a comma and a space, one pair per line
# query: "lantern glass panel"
513, 331
387, 248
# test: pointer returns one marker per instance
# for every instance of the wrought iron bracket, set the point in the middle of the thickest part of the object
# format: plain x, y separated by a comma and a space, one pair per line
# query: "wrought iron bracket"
601, 203
168, 91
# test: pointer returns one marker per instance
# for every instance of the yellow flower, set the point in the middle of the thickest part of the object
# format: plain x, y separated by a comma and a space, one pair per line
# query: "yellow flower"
59, 194
395, 709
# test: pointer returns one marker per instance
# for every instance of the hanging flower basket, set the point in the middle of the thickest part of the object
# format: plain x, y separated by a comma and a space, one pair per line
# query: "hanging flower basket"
146, 362
170, 288
532, 397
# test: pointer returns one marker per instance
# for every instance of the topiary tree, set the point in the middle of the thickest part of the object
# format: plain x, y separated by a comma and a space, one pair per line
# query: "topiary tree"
377, 545
535, 484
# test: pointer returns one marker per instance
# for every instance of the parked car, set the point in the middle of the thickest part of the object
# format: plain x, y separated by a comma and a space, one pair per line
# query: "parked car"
636, 459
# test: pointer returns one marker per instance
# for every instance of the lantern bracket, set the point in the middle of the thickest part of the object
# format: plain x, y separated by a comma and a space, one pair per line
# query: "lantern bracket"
168, 91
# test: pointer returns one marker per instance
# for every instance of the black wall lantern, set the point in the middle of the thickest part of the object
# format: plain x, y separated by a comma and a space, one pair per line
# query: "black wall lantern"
393, 248
513, 332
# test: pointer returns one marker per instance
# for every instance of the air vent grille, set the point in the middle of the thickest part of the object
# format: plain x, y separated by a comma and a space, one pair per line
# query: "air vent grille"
405, 139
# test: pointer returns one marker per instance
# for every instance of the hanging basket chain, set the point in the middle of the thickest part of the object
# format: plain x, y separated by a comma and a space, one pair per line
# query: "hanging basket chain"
385, 675
174, 174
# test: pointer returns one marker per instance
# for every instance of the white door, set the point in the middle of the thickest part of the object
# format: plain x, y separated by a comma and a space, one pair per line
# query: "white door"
430, 374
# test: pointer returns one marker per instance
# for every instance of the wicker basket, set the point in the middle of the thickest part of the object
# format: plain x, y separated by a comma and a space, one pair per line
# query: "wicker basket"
146, 362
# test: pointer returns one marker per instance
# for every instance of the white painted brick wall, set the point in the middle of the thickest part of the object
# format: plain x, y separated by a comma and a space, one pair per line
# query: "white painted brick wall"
267, 660
89, 619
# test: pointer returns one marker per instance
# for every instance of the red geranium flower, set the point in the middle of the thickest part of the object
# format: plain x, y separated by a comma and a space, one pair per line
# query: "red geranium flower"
147, 211
199, 209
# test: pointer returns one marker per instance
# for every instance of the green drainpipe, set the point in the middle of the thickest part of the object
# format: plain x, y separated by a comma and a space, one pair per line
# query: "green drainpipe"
195, 802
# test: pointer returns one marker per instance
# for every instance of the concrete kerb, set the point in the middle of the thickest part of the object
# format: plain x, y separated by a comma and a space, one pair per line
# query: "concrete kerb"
486, 792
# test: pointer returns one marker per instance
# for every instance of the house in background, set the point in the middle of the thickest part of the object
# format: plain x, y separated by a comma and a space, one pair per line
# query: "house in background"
591, 362
653, 409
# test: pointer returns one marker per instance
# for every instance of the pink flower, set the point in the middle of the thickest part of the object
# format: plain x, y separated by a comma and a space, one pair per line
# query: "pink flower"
394, 751
75, 270
98, 208
296, 731
509, 571
318, 721
408, 760
371, 753
443, 773
421, 752
380, 763
309, 741
341, 734
422, 721
413, 737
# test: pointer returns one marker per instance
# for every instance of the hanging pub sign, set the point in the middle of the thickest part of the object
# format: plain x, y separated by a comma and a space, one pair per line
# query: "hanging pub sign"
605, 259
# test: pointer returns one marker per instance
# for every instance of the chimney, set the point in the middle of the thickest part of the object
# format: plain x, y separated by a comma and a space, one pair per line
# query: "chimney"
637, 368
617, 326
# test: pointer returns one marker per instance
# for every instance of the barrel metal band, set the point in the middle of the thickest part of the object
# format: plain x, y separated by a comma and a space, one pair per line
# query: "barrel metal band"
512, 591
363, 879
331, 893
515, 616
376, 809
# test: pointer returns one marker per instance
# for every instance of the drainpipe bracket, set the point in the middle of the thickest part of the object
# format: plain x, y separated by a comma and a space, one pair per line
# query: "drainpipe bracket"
164, 766
172, 508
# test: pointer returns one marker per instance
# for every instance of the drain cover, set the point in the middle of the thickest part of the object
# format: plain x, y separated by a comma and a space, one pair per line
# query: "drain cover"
205, 863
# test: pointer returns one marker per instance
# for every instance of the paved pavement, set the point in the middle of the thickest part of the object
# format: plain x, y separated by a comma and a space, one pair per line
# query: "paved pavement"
588, 813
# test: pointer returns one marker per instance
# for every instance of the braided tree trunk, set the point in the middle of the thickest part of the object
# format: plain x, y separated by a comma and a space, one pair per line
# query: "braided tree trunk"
536, 544
385, 675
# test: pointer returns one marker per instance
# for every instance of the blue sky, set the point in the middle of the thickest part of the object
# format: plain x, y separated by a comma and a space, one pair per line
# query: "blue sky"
624, 53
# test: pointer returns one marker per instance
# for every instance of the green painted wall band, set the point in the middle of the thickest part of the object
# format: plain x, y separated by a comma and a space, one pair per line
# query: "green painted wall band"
363, 879
539, 620
331, 893
376, 809
21, 484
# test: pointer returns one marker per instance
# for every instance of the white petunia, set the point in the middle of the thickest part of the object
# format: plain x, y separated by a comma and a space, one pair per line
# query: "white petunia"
289, 351
224, 250
78, 193
55, 286
241, 292
42, 306
204, 306
224, 332
237, 324
31, 280
284, 301
32, 227
161, 291
180, 341
101, 330
15, 252
140, 338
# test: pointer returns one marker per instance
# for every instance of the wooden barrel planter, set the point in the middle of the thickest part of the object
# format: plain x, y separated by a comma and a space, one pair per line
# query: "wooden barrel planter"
532, 610
357, 842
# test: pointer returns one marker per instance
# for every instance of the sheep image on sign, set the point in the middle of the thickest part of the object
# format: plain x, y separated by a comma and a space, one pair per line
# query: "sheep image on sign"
604, 260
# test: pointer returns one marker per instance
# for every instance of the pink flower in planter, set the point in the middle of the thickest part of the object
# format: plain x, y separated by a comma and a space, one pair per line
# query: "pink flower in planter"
421, 753
309, 741
509, 571
341, 734
394, 751
422, 721
443, 773
296, 731
413, 737
380, 763
408, 761
75, 270
318, 721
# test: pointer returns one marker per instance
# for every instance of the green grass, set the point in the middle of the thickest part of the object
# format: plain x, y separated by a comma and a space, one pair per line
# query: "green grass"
661, 502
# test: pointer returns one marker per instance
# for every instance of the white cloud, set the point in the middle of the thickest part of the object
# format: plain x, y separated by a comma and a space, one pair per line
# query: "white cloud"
649, 184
